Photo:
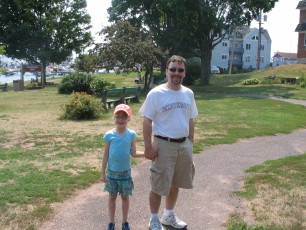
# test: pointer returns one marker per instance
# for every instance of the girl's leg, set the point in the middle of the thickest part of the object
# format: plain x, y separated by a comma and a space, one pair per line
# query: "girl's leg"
112, 208
125, 208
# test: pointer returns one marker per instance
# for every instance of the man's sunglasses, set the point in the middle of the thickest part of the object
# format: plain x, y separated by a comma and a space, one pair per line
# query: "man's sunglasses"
180, 70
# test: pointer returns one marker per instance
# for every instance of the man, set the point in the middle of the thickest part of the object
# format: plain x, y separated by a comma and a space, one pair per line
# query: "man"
168, 112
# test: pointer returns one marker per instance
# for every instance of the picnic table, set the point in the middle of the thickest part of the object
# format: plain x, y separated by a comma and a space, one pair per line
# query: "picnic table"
115, 96
3, 87
290, 80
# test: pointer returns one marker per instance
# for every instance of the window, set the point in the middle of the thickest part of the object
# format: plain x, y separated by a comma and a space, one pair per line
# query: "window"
255, 37
224, 44
224, 56
262, 47
247, 59
248, 46
305, 40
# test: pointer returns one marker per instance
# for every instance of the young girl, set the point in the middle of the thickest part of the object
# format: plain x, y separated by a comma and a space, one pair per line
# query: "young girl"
120, 144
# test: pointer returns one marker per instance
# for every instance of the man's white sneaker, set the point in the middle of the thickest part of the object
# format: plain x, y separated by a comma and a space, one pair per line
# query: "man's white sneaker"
155, 224
173, 220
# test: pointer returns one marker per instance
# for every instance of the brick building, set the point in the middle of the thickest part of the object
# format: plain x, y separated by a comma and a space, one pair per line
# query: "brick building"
301, 29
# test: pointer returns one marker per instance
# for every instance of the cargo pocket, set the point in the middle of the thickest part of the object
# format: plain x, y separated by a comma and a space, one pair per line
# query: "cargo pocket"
156, 178
193, 171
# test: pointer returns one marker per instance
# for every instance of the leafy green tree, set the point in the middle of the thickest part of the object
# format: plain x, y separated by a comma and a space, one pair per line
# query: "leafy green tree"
190, 28
126, 46
43, 32
2, 50
87, 62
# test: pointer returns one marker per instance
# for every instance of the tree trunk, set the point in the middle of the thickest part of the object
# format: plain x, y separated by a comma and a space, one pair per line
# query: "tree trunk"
205, 56
148, 77
146, 86
43, 75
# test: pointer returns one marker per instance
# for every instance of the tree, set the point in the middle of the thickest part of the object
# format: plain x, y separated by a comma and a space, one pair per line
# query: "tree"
190, 28
125, 46
87, 62
2, 50
43, 32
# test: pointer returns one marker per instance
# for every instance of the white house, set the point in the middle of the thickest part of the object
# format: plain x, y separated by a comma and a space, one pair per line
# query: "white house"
240, 49
282, 58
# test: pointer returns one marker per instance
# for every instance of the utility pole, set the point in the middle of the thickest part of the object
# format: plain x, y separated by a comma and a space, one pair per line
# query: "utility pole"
259, 42
232, 51
259, 38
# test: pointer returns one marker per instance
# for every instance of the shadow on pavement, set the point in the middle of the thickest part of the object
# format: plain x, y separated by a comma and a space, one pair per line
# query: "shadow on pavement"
171, 228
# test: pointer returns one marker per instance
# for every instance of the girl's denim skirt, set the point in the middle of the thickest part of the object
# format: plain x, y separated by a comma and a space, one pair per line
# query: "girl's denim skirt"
119, 183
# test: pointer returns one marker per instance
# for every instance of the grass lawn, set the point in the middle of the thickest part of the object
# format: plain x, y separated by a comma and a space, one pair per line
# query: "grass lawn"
45, 160
276, 192
232, 83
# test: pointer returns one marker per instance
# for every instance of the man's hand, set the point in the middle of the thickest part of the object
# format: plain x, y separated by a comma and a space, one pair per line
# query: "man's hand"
150, 154
103, 178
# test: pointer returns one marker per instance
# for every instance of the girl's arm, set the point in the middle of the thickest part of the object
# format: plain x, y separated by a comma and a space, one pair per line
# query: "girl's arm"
136, 153
104, 162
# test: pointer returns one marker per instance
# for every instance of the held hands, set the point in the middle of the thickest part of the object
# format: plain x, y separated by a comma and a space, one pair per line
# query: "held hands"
103, 178
150, 153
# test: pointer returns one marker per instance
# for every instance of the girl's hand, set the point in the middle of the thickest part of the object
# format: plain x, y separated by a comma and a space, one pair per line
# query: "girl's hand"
104, 178
150, 154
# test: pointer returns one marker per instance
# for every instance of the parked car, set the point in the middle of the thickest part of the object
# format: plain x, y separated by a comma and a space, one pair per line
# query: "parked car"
101, 71
214, 69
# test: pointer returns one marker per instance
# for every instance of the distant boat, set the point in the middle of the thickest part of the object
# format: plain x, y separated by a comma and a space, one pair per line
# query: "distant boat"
10, 72
48, 74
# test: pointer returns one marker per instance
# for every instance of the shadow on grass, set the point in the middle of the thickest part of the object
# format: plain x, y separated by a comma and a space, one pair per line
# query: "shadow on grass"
282, 91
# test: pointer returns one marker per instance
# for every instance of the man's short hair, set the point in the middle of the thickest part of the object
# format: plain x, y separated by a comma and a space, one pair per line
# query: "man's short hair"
178, 59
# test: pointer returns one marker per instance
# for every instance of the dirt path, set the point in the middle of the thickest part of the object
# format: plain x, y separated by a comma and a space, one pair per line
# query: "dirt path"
219, 172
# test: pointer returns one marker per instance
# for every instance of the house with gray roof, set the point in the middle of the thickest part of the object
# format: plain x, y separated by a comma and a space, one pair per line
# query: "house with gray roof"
240, 49
282, 58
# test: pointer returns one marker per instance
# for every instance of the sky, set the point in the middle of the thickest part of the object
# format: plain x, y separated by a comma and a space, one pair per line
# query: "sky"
97, 9
281, 23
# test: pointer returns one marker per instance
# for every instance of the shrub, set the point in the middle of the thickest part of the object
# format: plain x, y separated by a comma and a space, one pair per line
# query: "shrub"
269, 81
193, 72
98, 85
81, 107
32, 85
77, 82
302, 82
158, 77
252, 81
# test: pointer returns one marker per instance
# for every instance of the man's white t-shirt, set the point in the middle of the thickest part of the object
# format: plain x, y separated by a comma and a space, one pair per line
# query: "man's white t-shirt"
170, 110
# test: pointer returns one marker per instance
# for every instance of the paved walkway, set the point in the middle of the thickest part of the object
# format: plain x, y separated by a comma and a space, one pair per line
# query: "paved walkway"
219, 172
